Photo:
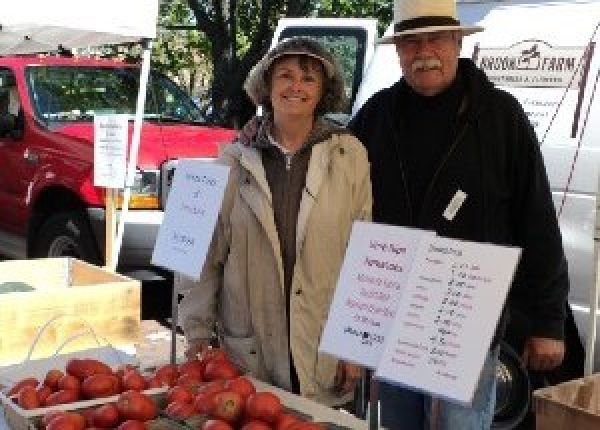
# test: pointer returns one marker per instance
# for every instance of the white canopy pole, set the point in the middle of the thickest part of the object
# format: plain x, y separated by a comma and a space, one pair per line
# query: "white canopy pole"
594, 292
133, 151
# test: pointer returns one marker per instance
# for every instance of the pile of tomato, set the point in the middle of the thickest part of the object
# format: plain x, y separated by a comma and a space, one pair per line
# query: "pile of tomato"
208, 389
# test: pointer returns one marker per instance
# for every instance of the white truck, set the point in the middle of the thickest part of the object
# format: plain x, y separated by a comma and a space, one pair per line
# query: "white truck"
543, 52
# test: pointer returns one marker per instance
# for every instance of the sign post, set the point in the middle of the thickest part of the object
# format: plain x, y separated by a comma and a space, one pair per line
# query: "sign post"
110, 151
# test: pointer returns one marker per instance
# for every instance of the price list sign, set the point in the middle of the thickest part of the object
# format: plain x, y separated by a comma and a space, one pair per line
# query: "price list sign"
377, 262
447, 317
190, 216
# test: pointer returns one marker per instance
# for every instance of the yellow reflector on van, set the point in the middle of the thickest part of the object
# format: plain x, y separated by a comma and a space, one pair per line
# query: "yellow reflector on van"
140, 201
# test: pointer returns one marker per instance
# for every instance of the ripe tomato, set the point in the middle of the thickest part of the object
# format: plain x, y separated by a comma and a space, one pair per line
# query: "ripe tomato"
52, 378
133, 380
50, 415
216, 425
132, 425
62, 396
264, 406
229, 406
28, 398
123, 369
213, 354
167, 373
212, 387
96, 386
220, 369
256, 425
204, 403
43, 392
191, 381
134, 405
180, 410
88, 414
241, 385
285, 421
69, 382
181, 394
84, 367
106, 416
62, 423
303, 425
192, 367
155, 382
67, 421
27, 382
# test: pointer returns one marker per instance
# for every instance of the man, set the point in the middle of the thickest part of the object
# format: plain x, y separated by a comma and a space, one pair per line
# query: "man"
451, 153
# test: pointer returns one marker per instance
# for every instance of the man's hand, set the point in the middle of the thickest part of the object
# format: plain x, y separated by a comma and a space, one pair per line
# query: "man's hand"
346, 377
196, 349
542, 353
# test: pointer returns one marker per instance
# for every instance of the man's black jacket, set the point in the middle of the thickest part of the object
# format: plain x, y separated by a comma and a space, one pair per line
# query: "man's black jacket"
495, 159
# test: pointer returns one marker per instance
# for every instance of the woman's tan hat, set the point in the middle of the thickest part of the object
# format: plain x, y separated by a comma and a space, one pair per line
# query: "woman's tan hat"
426, 16
327, 65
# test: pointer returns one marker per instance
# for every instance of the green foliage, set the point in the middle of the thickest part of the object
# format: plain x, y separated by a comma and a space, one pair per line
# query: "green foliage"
380, 9
177, 50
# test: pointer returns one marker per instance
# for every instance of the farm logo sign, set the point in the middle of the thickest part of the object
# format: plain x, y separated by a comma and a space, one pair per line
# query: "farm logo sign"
533, 63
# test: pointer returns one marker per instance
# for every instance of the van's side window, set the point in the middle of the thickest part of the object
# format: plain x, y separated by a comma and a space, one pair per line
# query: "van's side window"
11, 110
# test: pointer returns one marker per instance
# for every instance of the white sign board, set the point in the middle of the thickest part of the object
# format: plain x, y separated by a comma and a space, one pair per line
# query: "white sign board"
110, 150
525, 67
190, 216
447, 317
377, 261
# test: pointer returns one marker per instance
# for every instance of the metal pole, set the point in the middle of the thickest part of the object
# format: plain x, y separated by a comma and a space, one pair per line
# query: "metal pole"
174, 318
592, 316
374, 405
135, 146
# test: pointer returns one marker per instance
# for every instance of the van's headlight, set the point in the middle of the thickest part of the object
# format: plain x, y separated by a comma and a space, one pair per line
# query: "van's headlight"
144, 192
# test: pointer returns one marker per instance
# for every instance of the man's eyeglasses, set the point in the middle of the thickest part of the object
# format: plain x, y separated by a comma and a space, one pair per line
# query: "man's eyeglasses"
437, 40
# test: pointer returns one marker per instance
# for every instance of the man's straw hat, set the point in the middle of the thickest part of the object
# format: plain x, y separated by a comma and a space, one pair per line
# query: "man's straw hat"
426, 16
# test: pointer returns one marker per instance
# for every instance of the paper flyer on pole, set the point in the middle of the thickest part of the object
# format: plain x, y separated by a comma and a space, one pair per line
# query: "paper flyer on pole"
110, 150
445, 322
369, 287
190, 216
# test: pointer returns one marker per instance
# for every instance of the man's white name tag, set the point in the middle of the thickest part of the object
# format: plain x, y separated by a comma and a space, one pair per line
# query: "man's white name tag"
454, 205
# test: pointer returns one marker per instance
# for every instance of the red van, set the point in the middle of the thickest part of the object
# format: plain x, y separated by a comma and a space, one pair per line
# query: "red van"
48, 204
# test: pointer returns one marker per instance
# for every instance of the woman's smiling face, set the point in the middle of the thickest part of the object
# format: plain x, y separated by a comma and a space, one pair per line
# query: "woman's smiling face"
296, 85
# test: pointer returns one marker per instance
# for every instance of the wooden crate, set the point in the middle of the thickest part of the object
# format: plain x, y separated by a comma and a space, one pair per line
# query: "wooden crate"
75, 296
570, 405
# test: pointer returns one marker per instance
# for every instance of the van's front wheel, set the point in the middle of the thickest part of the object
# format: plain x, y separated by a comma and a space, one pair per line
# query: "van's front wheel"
66, 235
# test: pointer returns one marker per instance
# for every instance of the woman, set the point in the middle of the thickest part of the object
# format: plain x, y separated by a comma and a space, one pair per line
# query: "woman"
294, 190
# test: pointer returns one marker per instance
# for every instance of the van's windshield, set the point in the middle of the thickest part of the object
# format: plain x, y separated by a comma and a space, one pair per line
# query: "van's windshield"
77, 93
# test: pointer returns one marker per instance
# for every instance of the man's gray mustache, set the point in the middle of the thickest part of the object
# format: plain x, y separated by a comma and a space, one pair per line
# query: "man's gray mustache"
426, 64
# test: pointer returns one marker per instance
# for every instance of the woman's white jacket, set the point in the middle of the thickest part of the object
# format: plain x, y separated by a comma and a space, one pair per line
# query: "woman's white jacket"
241, 285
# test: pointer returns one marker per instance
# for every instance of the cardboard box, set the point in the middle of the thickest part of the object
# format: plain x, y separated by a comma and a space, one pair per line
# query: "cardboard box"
70, 297
570, 405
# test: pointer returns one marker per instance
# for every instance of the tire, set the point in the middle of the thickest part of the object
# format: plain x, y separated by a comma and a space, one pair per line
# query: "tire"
66, 235
513, 389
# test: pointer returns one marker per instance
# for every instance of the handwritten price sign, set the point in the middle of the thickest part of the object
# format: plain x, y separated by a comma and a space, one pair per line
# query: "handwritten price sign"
190, 217
369, 288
